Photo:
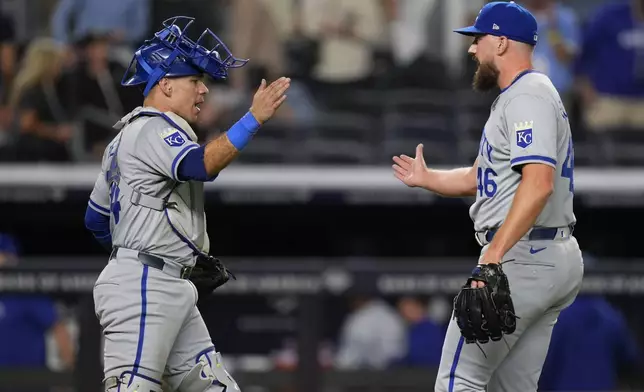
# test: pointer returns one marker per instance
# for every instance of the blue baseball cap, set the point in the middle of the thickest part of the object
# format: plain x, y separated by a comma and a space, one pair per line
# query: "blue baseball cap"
506, 19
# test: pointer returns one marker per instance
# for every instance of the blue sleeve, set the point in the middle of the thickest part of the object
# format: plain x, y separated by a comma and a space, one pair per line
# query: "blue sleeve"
626, 345
551, 365
60, 20
570, 29
43, 311
591, 35
192, 166
139, 19
99, 225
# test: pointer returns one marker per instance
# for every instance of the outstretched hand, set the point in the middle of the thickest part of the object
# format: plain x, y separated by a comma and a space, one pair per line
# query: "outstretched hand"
411, 171
269, 98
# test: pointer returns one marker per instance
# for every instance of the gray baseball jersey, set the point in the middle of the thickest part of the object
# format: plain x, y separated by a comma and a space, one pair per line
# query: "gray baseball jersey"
142, 161
527, 124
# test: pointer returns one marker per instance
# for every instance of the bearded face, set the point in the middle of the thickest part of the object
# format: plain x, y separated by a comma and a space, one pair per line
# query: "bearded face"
486, 76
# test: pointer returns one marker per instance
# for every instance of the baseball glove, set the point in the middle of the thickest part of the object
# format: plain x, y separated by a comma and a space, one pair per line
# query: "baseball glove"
208, 274
487, 312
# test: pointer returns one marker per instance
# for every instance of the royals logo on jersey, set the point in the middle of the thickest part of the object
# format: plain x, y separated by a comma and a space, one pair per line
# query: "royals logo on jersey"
523, 131
175, 139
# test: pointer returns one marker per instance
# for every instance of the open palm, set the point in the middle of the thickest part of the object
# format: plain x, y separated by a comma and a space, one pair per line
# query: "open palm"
411, 171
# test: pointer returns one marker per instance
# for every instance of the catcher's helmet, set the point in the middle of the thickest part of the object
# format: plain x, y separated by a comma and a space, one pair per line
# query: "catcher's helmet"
171, 54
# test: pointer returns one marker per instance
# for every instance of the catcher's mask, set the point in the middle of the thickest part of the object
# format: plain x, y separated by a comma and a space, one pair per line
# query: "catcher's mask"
172, 54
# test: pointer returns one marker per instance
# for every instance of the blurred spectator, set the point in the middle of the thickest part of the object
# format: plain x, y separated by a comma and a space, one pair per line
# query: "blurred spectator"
416, 35
590, 344
8, 251
559, 41
253, 34
8, 54
7, 69
218, 111
212, 14
348, 33
301, 51
611, 67
409, 28
25, 321
96, 97
255, 29
41, 119
372, 336
424, 338
286, 358
127, 21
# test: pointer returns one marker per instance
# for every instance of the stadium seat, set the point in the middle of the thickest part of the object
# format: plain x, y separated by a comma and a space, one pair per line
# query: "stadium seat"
419, 116
621, 146
275, 143
341, 137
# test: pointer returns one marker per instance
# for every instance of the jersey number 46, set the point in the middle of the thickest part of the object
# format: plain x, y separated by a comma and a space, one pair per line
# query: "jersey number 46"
485, 182
568, 167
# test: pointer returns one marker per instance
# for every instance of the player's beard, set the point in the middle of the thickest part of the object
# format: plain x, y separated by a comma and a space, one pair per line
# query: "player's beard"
486, 77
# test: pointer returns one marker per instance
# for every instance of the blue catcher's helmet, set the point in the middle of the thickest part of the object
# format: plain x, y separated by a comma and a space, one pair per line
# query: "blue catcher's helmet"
171, 54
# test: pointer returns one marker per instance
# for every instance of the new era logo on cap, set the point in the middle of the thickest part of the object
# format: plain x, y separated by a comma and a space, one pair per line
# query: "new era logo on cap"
508, 19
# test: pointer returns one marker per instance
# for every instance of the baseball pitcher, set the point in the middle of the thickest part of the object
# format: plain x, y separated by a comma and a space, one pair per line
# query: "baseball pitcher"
147, 207
530, 267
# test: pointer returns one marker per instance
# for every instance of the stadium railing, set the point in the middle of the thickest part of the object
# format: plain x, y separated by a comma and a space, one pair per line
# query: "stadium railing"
614, 181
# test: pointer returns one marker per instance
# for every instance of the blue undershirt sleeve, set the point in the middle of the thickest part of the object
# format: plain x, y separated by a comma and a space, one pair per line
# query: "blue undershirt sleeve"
192, 166
99, 225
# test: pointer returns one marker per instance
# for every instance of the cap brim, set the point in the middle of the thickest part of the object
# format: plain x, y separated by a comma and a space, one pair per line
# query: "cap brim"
470, 30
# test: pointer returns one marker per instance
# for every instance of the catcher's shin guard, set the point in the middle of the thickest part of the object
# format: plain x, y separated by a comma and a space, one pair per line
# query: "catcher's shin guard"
132, 382
208, 375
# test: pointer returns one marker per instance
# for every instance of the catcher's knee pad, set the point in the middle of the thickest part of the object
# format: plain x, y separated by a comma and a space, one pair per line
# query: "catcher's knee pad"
208, 375
132, 382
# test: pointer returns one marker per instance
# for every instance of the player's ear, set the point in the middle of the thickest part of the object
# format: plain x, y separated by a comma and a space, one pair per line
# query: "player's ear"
502, 45
165, 84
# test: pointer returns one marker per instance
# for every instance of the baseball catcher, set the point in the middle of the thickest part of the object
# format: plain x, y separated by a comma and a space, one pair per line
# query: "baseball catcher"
147, 206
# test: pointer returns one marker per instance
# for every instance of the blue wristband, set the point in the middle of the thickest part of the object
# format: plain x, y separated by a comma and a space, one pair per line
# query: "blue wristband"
243, 131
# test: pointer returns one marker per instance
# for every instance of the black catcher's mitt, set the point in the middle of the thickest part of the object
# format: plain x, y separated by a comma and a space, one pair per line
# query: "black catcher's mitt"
485, 313
209, 273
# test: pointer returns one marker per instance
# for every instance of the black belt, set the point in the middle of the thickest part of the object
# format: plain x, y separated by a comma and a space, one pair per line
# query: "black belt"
538, 233
157, 262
